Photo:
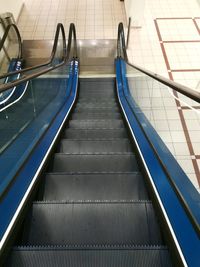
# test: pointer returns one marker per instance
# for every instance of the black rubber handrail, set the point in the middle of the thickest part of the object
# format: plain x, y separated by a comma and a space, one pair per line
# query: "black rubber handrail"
66, 55
122, 53
72, 32
121, 45
52, 56
6, 33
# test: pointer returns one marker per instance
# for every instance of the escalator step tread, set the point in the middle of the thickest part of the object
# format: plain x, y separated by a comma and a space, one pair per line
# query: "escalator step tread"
97, 85
96, 98
92, 223
104, 93
94, 187
95, 110
97, 105
101, 116
94, 162
95, 133
97, 102
88, 124
94, 95
51, 257
90, 146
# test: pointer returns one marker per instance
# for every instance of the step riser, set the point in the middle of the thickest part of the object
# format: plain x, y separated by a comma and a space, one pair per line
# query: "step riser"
95, 116
94, 187
92, 105
84, 147
99, 124
95, 110
93, 224
98, 88
94, 94
90, 258
96, 102
94, 163
95, 134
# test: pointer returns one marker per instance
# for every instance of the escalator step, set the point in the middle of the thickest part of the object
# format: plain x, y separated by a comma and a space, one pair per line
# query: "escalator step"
89, 124
97, 105
92, 223
97, 85
95, 116
94, 93
95, 133
96, 101
94, 187
90, 146
95, 110
52, 256
95, 163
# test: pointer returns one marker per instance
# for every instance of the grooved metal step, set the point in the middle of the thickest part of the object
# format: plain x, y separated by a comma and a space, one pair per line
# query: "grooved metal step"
94, 93
151, 256
96, 101
95, 163
97, 105
95, 133
95, 116
127, 223
96, 110
94, 187
89, 124
90, 146
98, 85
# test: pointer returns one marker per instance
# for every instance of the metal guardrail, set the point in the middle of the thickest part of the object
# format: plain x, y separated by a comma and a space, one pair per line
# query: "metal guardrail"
65, 56
5, 36
121, 52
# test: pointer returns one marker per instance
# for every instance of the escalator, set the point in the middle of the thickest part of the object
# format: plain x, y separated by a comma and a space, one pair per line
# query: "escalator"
94, 208
93, 203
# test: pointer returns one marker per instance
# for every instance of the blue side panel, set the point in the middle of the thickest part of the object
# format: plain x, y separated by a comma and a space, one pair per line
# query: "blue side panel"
17, 190
182, 227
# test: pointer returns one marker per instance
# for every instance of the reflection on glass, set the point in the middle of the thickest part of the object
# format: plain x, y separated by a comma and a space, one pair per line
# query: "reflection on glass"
175, 117
171, 121
25, 120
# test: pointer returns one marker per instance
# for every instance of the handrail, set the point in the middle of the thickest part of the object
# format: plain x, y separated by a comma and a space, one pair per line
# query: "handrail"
121, 49
66, 55
18, 38
121, 52
53, 52
72, 31
121, 45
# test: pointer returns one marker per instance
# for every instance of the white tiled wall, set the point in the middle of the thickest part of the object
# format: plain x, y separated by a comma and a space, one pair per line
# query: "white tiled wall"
94, 19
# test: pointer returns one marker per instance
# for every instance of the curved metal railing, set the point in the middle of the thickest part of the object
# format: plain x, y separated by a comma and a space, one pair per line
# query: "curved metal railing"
121, 45
59, 29
121, 52
6, 33
66, 56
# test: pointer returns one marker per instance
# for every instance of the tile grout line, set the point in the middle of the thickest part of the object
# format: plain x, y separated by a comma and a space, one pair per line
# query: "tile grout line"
196, 25
184, 70
181, 41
